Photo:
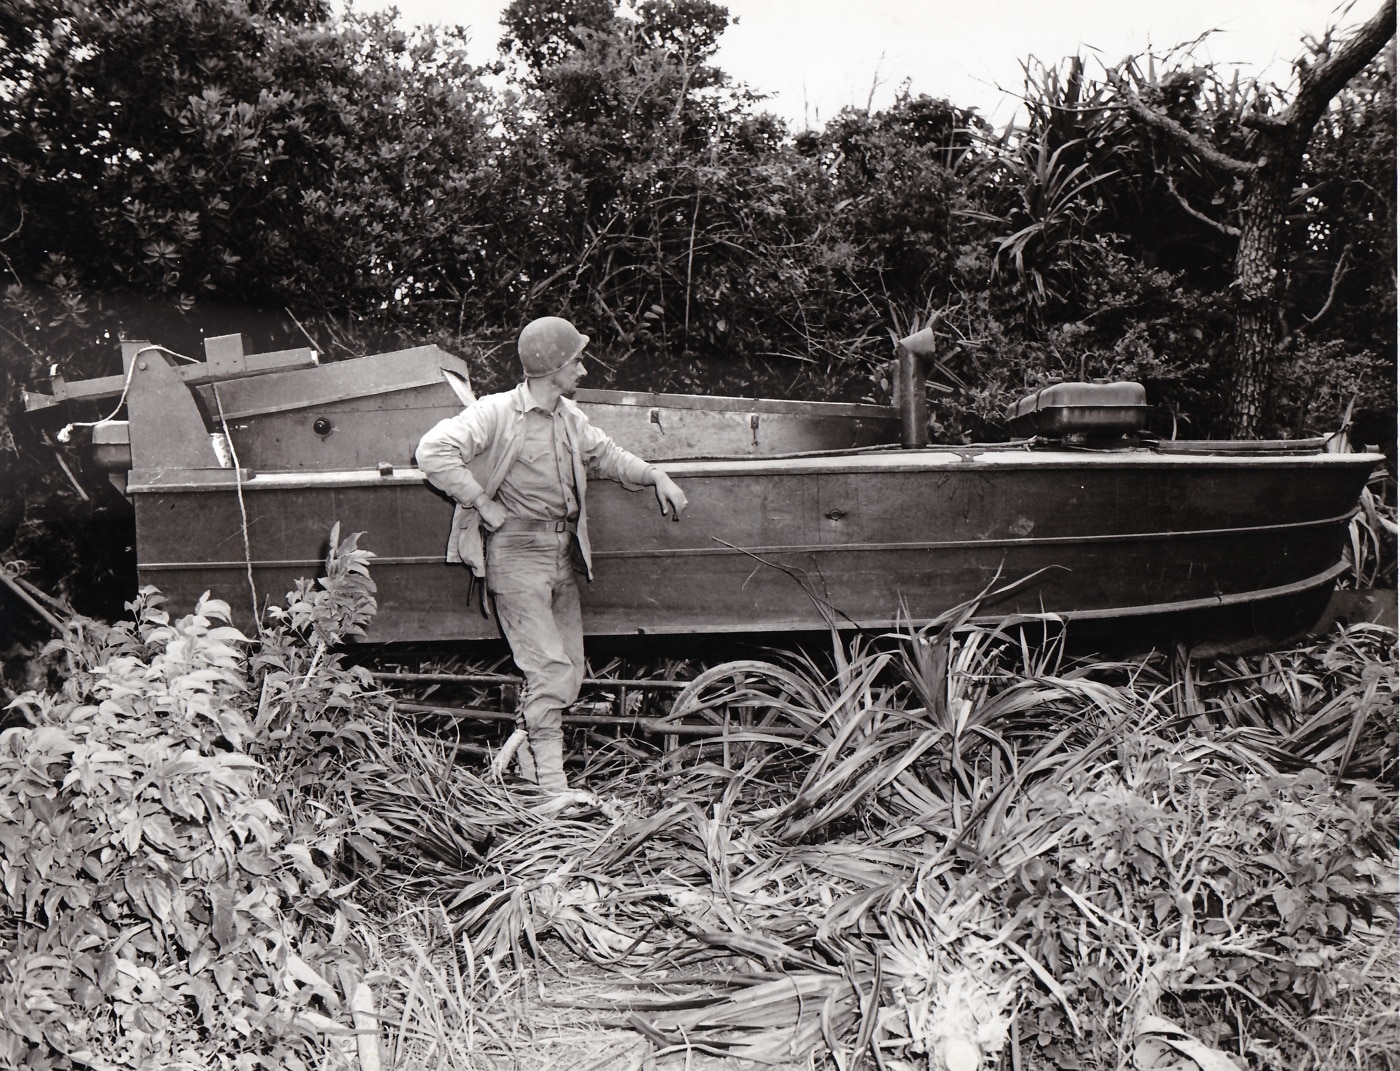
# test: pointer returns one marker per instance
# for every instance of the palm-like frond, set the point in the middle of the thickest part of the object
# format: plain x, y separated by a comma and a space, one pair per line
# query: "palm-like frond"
904, 843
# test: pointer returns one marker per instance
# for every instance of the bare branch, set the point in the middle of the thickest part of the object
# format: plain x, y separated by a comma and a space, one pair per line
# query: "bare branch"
1214, 224
300, 327
1337, 274
1263, 121
1178, 133
9, 266
18, 226
1319, 84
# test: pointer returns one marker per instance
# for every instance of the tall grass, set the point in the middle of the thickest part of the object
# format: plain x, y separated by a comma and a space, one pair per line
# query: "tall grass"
949, 847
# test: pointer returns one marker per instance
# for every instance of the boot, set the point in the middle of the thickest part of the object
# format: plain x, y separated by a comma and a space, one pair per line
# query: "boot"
549, 764
525, 761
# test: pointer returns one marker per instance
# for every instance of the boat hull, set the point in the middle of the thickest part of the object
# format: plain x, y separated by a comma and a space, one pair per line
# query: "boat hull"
858, 540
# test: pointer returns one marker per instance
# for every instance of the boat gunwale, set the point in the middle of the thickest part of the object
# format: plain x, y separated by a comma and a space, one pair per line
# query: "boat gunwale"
735, 404
344, 394
422, 366
883, 460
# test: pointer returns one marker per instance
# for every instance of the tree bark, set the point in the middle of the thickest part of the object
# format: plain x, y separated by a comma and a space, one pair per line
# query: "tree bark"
1268, 177
1257, 295
1258, 283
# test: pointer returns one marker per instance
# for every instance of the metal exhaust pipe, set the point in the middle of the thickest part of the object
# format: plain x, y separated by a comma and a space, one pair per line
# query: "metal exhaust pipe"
911, 370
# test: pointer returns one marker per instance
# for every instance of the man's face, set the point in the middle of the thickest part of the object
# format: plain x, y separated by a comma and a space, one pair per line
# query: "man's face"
567, 378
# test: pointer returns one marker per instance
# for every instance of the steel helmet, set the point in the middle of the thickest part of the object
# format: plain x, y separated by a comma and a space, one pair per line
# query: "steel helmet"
548, 344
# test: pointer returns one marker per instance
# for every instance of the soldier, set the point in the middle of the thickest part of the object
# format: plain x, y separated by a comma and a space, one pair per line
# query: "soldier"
516, 464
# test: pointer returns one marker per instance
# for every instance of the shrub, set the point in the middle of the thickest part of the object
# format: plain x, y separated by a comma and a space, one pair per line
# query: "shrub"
165, 902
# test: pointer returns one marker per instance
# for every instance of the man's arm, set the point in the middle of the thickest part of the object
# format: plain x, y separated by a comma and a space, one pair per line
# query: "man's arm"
607, 459
443, 454
668, 494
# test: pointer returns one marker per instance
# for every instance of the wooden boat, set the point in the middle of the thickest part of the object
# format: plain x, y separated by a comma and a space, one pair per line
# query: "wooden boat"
801, 514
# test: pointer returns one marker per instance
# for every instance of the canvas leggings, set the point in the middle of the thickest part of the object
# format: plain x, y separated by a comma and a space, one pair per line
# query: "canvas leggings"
531, 578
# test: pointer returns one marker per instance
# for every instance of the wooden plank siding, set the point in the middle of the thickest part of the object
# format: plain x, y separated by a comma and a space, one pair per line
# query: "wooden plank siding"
871, 536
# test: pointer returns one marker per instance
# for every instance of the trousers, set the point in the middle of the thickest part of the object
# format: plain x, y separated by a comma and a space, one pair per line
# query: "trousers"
531, 579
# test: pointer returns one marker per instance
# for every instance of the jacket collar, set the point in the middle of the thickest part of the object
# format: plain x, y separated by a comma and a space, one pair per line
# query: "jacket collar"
524, 401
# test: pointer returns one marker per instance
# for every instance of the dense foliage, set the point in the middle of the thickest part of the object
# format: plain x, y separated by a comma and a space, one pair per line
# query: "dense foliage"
207, 840
174, 169
934, 849
172, 892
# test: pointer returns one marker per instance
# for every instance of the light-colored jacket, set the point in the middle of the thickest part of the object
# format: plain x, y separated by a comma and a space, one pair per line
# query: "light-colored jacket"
471, 453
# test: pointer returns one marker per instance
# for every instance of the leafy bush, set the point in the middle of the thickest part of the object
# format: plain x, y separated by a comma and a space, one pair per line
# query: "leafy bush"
1231, 905
167, 898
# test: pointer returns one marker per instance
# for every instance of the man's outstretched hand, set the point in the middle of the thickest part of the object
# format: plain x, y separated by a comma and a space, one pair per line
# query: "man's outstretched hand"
669, 494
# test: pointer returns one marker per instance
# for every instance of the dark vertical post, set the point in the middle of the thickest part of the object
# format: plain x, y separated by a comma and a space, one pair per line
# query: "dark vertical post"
910, 374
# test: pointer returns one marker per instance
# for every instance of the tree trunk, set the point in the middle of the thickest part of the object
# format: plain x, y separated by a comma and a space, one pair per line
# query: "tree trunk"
1258, 282
1269, 174
1258, 292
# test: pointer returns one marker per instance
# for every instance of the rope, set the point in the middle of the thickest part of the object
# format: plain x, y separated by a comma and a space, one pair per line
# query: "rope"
242, 507
65, 433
